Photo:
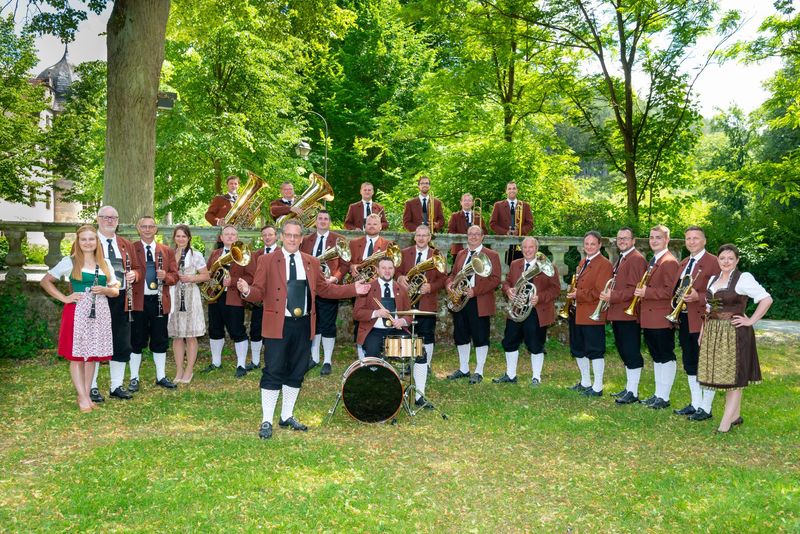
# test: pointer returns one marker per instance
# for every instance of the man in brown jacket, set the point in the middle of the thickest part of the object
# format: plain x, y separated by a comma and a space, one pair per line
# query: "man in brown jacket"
420, 209
461, 220
222, 204
503, 221
358, 212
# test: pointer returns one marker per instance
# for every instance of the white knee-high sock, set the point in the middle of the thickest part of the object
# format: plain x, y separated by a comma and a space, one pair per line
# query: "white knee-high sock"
633, 376
255, 351
360, 352
658, 373
429, 351
94, 378
537, 362
583, 366
269, 399
216, 350
708, 400
117, 372
420, 378
328, 343
289, 398
463, 357
241, 352
511, 363
480, 355
315, 343
160, 359
694, 389
599, 367
135, 363
669, 370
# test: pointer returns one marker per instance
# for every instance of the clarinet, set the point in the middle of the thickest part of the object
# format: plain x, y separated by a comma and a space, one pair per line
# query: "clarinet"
181, 266
92, 312
129, 288
160, 266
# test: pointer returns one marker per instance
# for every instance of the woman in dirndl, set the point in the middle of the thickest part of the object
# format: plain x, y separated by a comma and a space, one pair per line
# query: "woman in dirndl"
186, 319
85, 333
728, 356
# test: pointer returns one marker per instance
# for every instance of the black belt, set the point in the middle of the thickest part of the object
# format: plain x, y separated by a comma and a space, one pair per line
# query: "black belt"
151, 296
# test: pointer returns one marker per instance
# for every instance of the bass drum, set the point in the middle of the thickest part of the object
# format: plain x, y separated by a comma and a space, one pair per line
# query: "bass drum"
371, 391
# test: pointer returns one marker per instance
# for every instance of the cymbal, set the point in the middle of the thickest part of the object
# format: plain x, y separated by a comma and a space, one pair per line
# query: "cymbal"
414, 312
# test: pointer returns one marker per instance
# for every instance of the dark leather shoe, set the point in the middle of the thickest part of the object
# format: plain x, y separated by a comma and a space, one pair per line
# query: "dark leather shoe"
619, 394
423, 403
736, 422
95, 395
133, 385
590, 392
628, 398
649, 400
455, 375
535, 382
241, 372
579, 388
699, 415
311, 364
686, 410
326, 369
120, 393
659, 404
293, 423
211, 367
252, 366
166, 383
265, 430
504, 380
429, 371
475, 378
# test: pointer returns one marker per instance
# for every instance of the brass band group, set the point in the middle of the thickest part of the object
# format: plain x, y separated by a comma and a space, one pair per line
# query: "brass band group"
127, 296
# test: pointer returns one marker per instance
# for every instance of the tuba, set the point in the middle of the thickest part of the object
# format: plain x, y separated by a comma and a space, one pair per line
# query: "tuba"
678, 304
368, 270
416, 277
213, 289
457, 294
309, 202
247, 207
340, 250
520, 307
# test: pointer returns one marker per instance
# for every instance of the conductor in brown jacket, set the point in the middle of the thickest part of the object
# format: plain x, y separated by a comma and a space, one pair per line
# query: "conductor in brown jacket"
701, 266
420, 210
503, 222
654, 305
221, 204
358, 212
628, 271
533, 330
587, 337
461, 220
472, 323
286, 283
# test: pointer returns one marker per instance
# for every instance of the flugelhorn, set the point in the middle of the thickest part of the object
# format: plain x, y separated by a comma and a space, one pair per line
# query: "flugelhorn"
213, 289
309, 202
458, 294
339, 250
678, 300
524, 290
603, 305
416, 276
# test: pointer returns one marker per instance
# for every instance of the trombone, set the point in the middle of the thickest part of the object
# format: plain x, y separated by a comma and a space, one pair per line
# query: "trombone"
477, 211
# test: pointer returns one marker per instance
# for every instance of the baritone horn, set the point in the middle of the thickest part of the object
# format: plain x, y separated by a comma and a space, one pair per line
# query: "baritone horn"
520, 306
213, 289
309, 202
339, 250
458, 294
416, 276
367, 271
247, 207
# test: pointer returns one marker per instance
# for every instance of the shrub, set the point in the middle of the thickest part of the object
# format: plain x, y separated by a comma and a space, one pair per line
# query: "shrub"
22, 333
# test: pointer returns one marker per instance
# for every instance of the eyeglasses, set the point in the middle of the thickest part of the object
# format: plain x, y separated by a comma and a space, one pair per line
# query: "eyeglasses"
292, 236
108, 217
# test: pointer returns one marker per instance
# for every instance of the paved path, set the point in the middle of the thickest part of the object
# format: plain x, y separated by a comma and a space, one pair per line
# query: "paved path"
790, 328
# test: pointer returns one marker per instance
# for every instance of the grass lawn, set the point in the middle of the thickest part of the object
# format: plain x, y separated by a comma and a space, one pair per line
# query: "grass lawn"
510, 457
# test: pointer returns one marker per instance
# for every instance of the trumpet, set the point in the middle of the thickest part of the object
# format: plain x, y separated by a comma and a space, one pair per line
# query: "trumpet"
678, 299
416, 277
520, 307
213, 289
457, 295
339, 250
631, 309
367, 271
564, 313
603, 305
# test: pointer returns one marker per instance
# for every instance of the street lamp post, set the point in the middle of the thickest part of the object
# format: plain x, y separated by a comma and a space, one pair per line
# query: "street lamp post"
303, 148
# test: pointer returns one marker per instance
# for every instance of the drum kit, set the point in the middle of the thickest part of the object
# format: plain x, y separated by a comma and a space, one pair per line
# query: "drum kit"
374, 390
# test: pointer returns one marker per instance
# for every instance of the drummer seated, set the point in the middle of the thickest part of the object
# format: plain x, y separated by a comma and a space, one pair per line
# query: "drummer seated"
375, 310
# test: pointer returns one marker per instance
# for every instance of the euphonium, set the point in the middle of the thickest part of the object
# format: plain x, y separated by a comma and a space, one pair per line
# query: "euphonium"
564, 313
368, 270
678, 304
319, 189
603, 305
213, 289
631, 309
457, 295
247, 207
416, 276
520, 306
339, 250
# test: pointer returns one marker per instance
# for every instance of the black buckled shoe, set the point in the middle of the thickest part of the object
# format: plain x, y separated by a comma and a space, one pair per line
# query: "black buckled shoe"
133, 385
659, 404
292, 423
265, 430
311, 364
211, 367
628, 398
619, 394
590, 392
326, 369
241, 372
423, 403
475, 378
579, 388
649, 400
505, 379
166, 383
252, 366
458, 373
95, 395
686, 410
700, 415
121, 394
535, 382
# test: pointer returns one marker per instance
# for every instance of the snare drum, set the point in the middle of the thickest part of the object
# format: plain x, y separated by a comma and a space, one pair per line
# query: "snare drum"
401, 347
371, 391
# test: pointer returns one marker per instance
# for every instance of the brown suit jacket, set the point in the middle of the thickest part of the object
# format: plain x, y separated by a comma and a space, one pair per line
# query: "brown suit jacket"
590, 283
412, 214
657, 301
484, 286
437, 280
458, 225
629, 273
547, 288
277, 208
358, 245
500, 221
218, 209
335, 265
354, 220
168, 264
365, 305
269, 288
695, 311
232, 296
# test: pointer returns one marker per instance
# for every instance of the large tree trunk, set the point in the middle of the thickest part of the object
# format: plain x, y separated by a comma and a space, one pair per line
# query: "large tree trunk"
135, 43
